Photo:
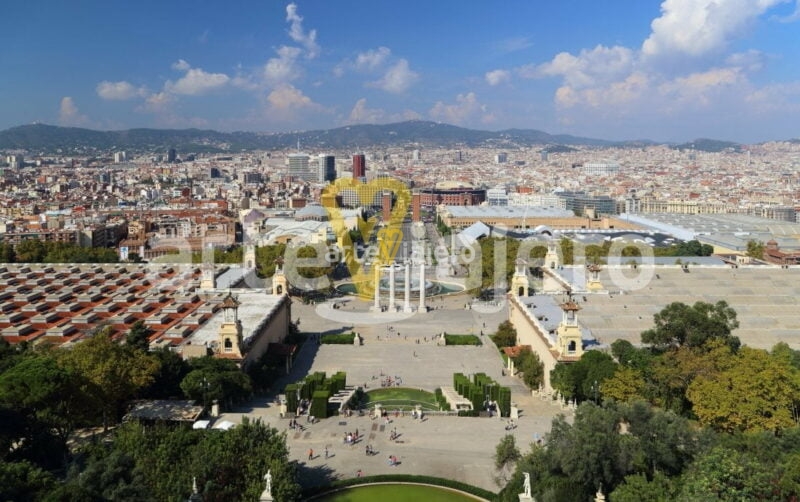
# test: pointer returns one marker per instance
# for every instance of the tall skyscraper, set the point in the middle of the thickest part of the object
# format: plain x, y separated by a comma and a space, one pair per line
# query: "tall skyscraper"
327, 168
299, 168
172, 155
359, 166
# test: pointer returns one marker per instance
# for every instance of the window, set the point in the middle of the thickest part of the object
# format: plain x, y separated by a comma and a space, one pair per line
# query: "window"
228, 345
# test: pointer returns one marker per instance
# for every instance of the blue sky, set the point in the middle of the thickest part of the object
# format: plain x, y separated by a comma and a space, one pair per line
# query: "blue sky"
613, 69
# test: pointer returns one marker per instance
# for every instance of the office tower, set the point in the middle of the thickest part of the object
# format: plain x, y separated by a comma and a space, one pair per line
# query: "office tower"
172, 155
359, 166
501, 158
327, 168
120, 157
299, 169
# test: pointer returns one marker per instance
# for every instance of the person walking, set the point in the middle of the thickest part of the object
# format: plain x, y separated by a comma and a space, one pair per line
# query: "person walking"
310, 453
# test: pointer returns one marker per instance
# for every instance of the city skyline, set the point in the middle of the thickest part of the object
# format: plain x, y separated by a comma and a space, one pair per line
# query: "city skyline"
669, 71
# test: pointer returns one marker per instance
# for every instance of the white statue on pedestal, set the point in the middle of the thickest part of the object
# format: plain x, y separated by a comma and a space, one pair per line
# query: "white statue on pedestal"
527, 484
268, 479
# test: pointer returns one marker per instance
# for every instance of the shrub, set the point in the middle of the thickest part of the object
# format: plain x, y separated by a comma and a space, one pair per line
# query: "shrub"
337, 338
462, 340
319, 404
401, 478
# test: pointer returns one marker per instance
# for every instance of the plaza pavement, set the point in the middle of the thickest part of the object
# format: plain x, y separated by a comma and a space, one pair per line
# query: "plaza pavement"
443, 446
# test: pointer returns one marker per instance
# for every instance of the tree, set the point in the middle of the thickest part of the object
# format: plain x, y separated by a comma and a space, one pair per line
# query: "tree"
626, 384
216, 379
531, 367
23, 481
39, 388
139, 336
582, 380
755, 249
506, 452
30, 251
114, 476
167, 380
637, 488
758, 393
113, 373
679, 324
7, 254
725, 475
506, 335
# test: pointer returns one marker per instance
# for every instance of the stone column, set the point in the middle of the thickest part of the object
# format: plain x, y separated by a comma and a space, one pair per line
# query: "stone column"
407, 299
422, 307
391, 288
376, 306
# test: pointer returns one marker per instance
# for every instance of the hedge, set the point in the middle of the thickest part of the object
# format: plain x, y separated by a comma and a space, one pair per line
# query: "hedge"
319, 404
313, 387
443, 404
338, 339
316, 491
481, 386
462, 340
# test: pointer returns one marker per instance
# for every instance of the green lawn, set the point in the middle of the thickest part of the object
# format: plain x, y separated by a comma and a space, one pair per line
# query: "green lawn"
401, 398
396, 493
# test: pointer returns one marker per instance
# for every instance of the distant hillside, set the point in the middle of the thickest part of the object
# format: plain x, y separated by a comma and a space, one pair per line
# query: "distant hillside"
709, 145
48, 139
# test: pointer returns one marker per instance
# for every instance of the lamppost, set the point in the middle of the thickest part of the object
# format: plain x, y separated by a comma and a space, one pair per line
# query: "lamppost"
205, 393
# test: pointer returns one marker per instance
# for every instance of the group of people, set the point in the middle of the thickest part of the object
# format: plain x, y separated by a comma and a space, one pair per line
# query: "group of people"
293, 424
369, 450
351, 438
393, 461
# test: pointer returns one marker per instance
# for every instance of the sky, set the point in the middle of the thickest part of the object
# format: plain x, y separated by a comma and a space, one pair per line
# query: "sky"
675, 70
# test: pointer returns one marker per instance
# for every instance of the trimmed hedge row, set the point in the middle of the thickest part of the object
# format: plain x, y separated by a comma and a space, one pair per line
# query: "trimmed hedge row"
481, 386
400, 478
462, 340
440, 400
337, 338
312, 388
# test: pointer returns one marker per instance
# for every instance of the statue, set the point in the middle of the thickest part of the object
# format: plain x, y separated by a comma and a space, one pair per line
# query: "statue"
527, 484
268, 479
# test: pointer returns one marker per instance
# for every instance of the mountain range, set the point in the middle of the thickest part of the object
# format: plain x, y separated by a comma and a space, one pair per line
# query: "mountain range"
48, 139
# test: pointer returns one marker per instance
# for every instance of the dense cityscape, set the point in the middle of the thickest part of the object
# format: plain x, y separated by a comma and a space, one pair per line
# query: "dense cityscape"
517, 253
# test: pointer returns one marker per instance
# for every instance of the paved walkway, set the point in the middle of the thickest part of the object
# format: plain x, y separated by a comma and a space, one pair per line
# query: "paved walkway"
449, 447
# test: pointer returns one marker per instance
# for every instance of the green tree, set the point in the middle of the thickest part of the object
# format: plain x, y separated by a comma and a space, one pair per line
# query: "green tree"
7, 254
167, 380
531, 367
506, 335
758, 393
626, 384
637, 488
30, 251
755, 249
678, 324
138, 336
725, 475
24, 481
213, 379
113, 373
39, 388
583, 379
506, 452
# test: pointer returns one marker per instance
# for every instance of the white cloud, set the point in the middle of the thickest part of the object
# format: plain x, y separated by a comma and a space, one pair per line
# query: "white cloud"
589, 68
197, 82
360, 114
699, 27
497, 77
298, 34
397, 79
119, 91
513, 44
158, 102
68, 113
284, 68
466, 109
372, 59
180, 65
287, 97
699, 89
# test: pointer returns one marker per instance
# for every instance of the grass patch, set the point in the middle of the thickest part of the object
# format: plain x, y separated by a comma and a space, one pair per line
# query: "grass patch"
462, 340
401, 398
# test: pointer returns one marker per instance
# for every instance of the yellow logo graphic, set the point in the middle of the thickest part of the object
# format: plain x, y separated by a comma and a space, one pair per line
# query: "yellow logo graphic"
379, 246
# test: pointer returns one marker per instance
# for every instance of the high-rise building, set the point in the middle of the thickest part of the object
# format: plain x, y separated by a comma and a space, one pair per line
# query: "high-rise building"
172, 155
299, 169
15, 161
327, 168
359, 166
501, 158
